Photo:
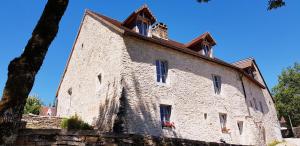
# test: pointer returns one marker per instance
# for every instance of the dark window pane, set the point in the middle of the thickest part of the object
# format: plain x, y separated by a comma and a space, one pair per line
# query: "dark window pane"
158, 74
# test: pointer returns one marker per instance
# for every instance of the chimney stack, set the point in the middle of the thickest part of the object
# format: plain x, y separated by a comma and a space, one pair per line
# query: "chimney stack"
160, 30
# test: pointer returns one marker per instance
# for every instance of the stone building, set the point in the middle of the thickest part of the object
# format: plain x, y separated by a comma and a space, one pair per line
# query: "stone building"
131, 75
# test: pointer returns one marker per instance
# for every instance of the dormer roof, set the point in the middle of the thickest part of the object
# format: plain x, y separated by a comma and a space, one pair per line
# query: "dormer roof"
195, 44
245, 63
132, 17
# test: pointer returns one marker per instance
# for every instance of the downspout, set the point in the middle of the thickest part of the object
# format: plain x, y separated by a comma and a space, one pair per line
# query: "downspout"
244, 92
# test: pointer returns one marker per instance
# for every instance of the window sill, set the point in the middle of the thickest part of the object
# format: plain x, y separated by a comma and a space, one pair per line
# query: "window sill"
162, 84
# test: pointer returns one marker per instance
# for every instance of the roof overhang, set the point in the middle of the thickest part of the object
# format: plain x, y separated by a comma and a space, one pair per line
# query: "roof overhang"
133, 16
196, 43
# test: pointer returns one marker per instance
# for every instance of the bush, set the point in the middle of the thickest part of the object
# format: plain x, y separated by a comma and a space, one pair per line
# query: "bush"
75, 123
33, 105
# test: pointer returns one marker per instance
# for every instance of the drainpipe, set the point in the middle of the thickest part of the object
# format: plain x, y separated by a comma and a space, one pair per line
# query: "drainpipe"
245, 95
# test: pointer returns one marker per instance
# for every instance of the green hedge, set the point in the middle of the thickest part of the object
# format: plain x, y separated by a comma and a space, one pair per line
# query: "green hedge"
75, 123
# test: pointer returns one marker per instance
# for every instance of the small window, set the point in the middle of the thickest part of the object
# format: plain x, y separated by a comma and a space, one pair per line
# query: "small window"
100, 78
206, 50
261, 107
70, 91
143, 27
161, 71
223, 120
165, 114
217, 83
205, 116
240, 126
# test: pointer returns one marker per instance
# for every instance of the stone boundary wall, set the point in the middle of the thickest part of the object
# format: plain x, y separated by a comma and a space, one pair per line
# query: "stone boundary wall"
296, 131
41, 122
94, 138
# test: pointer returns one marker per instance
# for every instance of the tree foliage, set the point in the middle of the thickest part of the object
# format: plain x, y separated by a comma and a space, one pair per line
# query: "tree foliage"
272, 4
33, 105
287, 94
23, 69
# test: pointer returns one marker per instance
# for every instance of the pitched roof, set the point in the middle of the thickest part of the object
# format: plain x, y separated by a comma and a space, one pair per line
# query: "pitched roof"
200, 39
133, 15
167, 43
248, 62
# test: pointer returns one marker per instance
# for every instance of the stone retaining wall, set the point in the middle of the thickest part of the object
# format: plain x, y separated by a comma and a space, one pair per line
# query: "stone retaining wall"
41, 122
92, 137
296, 131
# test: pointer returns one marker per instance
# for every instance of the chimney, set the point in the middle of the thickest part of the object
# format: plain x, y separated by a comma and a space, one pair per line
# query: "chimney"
160, 30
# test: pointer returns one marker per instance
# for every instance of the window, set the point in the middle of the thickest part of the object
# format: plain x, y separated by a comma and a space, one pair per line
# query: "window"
250, 71
206, 50
240, 126
217, 83
99, 78
223, 120
70, 91
205, 116
161, 71
143, 27
261, 107
165, 114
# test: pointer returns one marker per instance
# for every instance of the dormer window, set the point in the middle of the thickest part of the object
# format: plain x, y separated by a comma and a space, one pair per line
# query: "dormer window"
250, 71
203, 45
143, 26
140, 21
206, 50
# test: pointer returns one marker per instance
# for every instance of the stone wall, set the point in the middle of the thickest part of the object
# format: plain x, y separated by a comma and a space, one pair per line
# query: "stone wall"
91, 137
129, 63
296, 131
189, 90
92, 75
41, 122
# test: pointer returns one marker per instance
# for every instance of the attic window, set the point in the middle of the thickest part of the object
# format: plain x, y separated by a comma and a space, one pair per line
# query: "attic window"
206, 50
250, 71
143, 24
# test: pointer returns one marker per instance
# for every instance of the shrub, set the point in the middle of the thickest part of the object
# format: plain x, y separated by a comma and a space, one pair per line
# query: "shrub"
33, 105
75, 123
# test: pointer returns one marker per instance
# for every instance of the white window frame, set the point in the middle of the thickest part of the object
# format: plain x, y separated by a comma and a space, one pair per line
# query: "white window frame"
165, 110
161, 71
223, 120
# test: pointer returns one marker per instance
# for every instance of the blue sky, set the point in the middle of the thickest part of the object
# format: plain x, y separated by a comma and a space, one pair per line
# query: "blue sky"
241, 28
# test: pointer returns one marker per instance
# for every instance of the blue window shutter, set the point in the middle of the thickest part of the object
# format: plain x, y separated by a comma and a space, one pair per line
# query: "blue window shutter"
158, 73
219, 84
161, 113
165, 71
214, 82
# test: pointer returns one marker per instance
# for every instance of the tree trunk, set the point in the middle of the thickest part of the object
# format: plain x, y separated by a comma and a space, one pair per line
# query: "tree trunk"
22, 70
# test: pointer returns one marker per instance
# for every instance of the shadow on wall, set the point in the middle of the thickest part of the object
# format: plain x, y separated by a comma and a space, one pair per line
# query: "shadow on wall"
107, 109
136, 51
126, 113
